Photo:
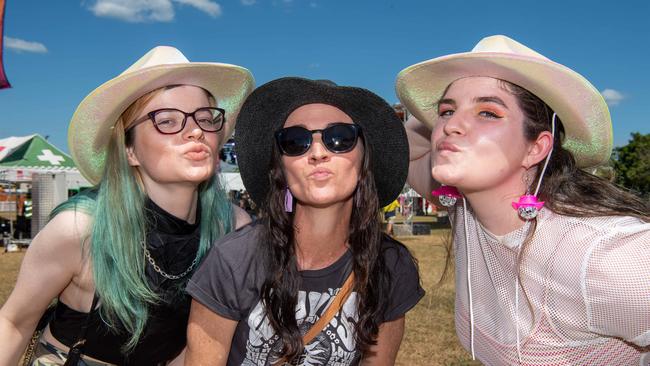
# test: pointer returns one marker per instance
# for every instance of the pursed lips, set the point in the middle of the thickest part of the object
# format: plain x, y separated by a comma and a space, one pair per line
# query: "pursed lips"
320, 173
446, 146
197, 152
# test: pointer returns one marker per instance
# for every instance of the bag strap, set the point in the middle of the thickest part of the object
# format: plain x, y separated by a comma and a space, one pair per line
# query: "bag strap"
332, 310
76, 350
334, 307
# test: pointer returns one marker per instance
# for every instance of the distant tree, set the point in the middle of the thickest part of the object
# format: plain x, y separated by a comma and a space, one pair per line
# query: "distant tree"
632, 164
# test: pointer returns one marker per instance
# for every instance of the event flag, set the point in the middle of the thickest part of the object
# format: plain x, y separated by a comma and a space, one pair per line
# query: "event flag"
4, 83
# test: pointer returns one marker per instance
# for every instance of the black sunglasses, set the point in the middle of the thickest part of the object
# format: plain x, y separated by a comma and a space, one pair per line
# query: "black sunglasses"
337, 137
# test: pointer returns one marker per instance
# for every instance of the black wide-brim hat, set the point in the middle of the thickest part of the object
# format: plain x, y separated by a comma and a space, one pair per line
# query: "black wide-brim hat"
266, 110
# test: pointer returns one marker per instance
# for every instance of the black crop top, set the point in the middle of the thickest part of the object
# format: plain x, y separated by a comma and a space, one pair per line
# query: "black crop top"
173, 244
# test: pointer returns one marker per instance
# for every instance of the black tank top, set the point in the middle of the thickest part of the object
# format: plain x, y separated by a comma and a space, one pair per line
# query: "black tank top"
173, 244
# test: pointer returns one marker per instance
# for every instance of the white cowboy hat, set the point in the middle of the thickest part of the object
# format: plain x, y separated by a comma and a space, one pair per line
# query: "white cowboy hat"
582, 109
91, 125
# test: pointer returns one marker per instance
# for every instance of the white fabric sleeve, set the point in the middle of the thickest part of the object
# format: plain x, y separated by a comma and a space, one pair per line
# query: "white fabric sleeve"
616, 282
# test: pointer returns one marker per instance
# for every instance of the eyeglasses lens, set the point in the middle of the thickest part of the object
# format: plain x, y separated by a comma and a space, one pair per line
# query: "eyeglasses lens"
294, 140
340, 138
169, 121
209, 119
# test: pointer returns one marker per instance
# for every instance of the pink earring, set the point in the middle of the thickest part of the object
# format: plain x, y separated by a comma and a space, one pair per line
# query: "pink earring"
528, 206
447, 195
288, 200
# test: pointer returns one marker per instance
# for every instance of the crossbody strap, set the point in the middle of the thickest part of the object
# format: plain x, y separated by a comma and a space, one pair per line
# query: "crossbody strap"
76, 350
334, 307
332, 310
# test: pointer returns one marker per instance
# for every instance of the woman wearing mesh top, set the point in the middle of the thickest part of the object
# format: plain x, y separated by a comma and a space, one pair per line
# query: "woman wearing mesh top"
552, 263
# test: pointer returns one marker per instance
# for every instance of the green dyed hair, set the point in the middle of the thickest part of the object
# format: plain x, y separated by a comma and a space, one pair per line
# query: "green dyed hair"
119, 229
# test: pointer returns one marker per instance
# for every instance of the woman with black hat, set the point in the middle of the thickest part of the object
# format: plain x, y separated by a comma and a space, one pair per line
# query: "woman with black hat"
316, 282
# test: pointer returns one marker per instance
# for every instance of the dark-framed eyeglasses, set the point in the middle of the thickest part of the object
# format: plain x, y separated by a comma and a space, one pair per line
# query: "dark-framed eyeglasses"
338, 138
169, 121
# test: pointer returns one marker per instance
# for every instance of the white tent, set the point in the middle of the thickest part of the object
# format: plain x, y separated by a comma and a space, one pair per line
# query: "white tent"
232, 181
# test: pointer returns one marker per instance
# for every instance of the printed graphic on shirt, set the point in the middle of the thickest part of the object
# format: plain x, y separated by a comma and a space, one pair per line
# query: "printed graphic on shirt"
334, 346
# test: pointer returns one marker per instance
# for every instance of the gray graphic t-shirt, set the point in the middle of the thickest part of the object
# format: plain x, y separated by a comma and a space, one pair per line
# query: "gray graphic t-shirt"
230, 279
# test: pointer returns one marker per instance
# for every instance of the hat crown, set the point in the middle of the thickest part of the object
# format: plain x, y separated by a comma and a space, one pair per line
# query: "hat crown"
503, 44
160, 55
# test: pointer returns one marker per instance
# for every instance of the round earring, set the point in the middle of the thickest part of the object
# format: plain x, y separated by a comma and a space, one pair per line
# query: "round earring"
447, 195
527, 206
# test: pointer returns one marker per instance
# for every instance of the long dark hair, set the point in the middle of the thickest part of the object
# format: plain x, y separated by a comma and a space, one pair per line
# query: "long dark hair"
567, 189
280, 291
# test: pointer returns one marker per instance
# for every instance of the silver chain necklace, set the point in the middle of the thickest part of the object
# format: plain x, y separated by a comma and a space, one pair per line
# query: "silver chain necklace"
163, 273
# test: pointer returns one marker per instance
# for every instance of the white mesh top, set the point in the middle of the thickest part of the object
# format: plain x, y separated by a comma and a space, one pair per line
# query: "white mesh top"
583, 299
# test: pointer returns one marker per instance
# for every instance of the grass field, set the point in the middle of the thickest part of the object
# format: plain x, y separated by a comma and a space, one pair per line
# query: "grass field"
430, 337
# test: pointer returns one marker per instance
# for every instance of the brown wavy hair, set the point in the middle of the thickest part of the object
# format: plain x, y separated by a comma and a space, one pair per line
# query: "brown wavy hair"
567, 189
372, 279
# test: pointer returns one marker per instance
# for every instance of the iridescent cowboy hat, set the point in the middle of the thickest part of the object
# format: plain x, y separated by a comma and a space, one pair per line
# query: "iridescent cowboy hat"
582, 109
90, 128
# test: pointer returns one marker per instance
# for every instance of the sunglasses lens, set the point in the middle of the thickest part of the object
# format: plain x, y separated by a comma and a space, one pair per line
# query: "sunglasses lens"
340, 138
294, 141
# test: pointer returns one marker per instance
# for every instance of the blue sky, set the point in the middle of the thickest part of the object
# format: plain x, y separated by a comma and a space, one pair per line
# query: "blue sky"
56, 52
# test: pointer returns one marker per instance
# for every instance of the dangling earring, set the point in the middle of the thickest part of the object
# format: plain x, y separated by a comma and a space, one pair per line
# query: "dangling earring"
527, 206
447, 195
288, 200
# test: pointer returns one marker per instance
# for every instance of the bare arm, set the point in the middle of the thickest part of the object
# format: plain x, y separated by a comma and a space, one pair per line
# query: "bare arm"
54, 257
419, 175
209, 336
388, 341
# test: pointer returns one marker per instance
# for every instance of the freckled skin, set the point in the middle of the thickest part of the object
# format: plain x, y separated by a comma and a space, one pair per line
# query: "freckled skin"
164, 158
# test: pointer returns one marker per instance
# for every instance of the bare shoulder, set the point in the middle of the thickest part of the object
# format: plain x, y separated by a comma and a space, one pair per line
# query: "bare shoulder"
54, 258
65, 231
240, 216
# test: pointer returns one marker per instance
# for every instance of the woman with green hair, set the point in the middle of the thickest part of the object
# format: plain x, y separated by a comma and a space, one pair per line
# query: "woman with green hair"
118, 257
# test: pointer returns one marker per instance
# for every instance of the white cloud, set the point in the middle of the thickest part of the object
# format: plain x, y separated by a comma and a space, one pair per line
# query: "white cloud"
612, 97
207, 6
20, 45
149, 10
248, 2
135, 10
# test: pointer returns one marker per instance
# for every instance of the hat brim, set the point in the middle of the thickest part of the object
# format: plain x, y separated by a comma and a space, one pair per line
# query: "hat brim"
92, 123
582, 109
267, 108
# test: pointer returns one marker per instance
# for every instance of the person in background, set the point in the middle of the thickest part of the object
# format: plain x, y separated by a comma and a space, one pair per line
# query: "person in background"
117, 257
390, 212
